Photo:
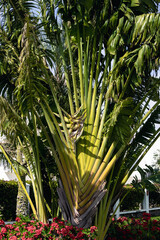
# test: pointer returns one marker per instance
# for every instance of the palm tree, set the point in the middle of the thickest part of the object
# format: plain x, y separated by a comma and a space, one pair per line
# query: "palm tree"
14, 121
149, 177
105, 51
7, 85
11, 117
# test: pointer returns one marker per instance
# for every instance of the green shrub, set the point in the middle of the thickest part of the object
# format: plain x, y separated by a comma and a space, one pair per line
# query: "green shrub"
26, 228
8, 198
8, 195
143, 228
135, 198
154, 199
132, 200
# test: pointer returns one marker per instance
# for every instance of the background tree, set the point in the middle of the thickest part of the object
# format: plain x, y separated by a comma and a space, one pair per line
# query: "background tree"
149, 177
156, 157
105, 52
11, 115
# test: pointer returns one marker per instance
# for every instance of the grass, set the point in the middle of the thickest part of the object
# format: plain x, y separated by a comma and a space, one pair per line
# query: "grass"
156, 218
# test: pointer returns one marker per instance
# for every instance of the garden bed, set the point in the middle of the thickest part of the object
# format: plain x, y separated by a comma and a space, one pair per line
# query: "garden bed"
143, 228
26, 229
124, 228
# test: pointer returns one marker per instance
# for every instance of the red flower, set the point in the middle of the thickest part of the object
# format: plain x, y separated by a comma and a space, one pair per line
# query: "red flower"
56, 230
140, 232
93, 229
71, 235
1, 222
3, 230
17, 229
32, 221
18, 219
23, 238
24, 223
64, 231
146, 216
37, 233
55, 225
80, 235
70, 228
13, 238
9, 226
25, 234
31, 229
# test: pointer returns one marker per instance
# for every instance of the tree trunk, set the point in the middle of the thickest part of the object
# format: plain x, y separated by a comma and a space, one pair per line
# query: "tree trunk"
80, 220
22, 202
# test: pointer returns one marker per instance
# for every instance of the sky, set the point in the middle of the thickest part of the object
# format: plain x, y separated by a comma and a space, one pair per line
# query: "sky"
148, 158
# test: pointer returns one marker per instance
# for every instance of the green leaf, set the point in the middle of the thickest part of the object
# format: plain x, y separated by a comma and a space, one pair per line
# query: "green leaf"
135, 3
127, 12
87, 4
118, 123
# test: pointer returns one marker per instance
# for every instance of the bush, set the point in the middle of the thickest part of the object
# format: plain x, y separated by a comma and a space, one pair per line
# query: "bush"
8, 196
8, 190
31, 229
140, 229
135, 198
132, 200
154, 199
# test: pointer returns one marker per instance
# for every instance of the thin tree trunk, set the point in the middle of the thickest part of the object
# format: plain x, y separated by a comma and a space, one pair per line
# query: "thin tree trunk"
22, 202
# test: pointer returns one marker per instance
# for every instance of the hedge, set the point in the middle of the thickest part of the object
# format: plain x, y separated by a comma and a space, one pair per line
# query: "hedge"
8, 198
8, 195
135, 198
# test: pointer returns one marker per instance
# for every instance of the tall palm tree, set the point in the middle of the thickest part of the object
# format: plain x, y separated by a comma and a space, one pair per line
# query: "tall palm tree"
16, 123
11, 114
106, 52
7, 85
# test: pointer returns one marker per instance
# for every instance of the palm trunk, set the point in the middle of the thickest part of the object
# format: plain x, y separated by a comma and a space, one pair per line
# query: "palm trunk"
82, 217
22, 202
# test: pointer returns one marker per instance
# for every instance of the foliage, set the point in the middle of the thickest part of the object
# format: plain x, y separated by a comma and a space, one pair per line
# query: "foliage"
134, 197
156, 157
31, 229
132, 200
150, 177
104, 53
154, 199
139, 229
8, 196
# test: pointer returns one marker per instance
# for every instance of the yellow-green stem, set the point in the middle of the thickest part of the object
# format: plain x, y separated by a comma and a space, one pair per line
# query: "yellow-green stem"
19, 179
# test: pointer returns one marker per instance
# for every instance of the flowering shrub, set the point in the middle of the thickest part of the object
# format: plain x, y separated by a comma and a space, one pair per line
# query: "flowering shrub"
134, 229
26, 229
